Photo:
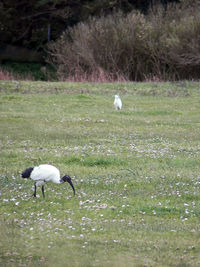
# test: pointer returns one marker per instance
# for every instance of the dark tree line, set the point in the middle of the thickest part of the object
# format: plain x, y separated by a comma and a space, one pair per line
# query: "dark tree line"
31, 24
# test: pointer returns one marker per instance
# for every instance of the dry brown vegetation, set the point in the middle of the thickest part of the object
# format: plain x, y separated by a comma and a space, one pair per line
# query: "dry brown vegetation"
163, 45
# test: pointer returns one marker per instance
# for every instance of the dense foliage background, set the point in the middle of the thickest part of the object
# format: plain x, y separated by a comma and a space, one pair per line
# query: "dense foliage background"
26, 23
103, 40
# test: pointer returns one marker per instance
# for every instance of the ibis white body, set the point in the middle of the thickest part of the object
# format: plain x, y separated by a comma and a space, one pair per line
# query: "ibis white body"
45, 173
117, 102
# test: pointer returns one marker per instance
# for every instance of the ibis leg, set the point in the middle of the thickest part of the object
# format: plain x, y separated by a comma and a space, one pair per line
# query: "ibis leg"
34, 194
43, 190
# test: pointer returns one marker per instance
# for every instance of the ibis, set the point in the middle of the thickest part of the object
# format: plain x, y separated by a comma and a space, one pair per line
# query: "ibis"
117, 102
45, 173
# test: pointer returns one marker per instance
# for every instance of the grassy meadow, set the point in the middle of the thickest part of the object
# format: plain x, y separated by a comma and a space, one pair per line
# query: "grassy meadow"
136, 173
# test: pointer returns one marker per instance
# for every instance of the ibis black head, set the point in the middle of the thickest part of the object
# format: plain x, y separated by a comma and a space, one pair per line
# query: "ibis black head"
26, 173
68, 179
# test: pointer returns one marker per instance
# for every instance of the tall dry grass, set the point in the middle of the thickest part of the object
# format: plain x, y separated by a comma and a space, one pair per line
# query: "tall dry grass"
5, 75
9, 75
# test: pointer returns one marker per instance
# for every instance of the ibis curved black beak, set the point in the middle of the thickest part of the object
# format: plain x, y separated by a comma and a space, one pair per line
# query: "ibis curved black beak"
70, 182
67, 178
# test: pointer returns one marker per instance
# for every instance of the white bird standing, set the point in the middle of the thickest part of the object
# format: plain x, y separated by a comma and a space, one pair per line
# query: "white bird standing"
117, 102
45, 173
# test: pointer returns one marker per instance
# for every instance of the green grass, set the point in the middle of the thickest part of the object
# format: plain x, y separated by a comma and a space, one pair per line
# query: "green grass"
136, 174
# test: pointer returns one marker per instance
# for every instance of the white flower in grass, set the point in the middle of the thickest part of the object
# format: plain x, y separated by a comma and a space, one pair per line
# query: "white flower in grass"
186, 211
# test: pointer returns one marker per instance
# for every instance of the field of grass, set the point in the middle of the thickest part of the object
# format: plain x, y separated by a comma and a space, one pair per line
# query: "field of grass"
136, 173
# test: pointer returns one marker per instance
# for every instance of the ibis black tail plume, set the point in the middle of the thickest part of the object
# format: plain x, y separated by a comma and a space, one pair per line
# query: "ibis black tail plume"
26, 173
